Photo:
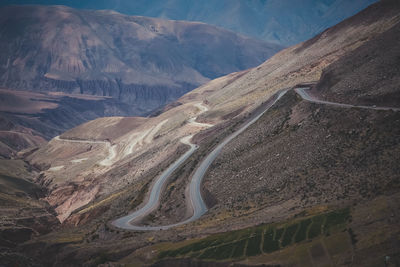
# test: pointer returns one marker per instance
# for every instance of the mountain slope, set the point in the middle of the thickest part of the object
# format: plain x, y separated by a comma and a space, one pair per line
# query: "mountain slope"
23, 214
283, 22
229, 98
369, 75
137, 60
28, 119
301, 63
329, 168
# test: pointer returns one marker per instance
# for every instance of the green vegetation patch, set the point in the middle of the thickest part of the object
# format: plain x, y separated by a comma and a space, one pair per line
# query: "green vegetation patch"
164, 254
238, 250
289, 233
200, 245
335, 218
278, 233
301, 234
254, 243
208, 253
224, 251
218, 253
316, 226
261, 239
270, 243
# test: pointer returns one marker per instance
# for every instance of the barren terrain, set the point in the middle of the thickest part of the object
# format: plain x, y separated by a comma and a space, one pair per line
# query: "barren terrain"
28, 119
298, 184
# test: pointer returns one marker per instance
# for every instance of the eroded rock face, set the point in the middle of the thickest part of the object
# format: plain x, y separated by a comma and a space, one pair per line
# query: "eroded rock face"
68, 198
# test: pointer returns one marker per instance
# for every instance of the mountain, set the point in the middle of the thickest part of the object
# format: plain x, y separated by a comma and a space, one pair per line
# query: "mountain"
283, 22
141, 61
28, 119
312, 180
369, 76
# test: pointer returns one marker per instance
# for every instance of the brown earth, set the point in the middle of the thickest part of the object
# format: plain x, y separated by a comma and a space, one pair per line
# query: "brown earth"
237, 95
23, 215
370, 75
300, 155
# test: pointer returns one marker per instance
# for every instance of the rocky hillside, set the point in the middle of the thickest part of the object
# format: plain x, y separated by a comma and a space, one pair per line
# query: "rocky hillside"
286, 22
229, 98
28, 119
370, 75
137, 60
23, 215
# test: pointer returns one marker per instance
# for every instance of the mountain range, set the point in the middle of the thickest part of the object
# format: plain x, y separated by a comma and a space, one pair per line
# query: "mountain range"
78, 65
145, 62
283, 22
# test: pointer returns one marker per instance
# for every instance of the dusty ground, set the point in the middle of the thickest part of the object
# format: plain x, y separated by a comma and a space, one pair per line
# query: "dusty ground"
300, 155
370, 75
23, 215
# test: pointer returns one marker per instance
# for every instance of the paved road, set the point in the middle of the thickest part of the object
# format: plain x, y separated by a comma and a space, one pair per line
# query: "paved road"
198, 206
302, 91
196, 199
126, 222
58, 138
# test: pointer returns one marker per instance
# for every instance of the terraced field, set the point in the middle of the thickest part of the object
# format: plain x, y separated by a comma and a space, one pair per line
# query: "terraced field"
261, 239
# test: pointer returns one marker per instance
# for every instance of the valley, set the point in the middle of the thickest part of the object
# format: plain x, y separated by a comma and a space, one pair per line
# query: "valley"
101, 63
29, 119
293, 162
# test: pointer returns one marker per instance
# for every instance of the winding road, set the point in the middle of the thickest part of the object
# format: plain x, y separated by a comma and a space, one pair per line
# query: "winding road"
112, 153
153, 202
196, 200
126, 222
306, 96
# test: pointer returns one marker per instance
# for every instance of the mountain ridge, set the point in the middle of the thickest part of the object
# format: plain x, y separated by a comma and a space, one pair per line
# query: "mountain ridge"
137, 60
283, 22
